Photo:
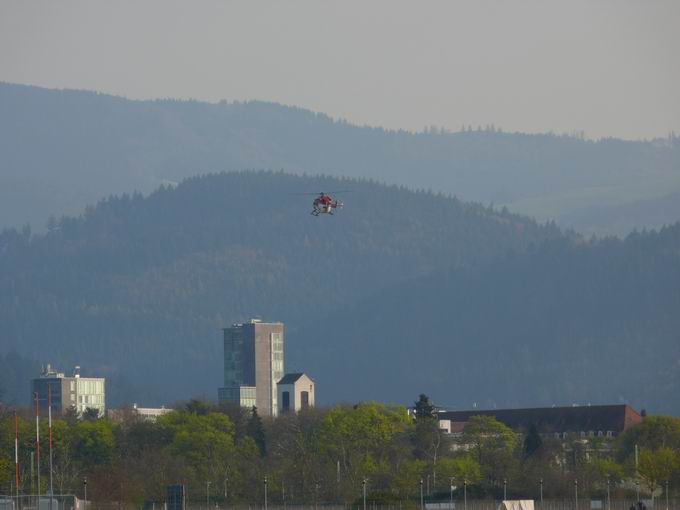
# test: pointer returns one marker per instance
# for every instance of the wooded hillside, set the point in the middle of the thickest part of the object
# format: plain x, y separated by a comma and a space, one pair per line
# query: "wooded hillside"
64, 149
137, 288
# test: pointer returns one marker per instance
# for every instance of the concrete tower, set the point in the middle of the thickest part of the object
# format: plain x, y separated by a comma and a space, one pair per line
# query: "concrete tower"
253, 364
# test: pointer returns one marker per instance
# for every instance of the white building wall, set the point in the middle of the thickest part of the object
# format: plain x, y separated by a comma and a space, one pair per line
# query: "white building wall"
295, 391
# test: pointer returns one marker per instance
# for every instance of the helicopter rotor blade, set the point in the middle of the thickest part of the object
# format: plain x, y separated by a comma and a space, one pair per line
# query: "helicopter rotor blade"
325, 192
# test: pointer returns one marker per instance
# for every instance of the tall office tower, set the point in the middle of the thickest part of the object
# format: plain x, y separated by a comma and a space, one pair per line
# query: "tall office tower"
253, 364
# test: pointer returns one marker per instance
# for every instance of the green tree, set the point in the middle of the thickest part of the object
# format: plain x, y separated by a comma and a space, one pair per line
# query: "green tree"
487, 436
460, 468
200, 407
360, 438
657, 466
6, 469
404, 484
654, 432
533, 441
91, 413
423, 408
92, 442
256, 431
206, 442
493, 444
427, 437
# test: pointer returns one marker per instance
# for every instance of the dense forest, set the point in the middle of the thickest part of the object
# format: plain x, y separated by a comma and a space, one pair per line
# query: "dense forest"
137, 288
399, 292
62, 150
322, 456
566, 322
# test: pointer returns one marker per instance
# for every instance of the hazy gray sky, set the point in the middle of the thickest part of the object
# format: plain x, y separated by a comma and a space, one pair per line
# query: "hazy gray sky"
608, 67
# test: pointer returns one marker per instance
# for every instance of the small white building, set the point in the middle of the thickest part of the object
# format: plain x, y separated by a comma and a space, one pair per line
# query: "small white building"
295, 392
150, 413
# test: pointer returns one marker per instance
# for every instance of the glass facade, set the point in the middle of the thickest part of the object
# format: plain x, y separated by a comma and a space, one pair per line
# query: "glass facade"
233, 357
245, 396
253, 365
43, 387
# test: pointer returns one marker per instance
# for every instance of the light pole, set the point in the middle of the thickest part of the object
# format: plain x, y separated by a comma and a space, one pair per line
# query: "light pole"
32, 477
505, 489
609, 499
666, 494
464, 494
226, 481
637, 489
541, 483
422, 503
265, 493
576, 494
363, 490
85, 492
451, 486
316, 495
37, 443
207, 495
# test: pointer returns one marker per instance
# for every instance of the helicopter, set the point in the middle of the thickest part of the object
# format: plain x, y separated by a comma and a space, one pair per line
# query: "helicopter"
324, 204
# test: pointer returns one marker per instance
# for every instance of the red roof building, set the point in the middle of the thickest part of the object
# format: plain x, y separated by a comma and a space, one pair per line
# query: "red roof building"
601, 421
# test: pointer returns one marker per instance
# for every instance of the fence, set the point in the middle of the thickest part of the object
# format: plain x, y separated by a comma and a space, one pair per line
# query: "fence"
44, 502
70, 502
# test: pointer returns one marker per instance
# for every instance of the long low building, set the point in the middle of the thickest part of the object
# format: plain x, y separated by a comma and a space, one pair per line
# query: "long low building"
587, 421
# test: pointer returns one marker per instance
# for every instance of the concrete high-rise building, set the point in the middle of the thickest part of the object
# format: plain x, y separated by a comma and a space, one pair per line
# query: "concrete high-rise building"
78, 392
253, 364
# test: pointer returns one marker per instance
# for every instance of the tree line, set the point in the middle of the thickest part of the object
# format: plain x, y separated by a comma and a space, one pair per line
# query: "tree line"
325, 455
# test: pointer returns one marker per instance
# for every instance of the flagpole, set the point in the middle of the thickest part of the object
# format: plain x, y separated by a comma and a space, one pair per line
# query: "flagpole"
16, 453
49, 413
37, 442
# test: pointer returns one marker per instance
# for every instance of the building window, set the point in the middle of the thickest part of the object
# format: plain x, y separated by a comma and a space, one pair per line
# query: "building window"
285, 404
304, 399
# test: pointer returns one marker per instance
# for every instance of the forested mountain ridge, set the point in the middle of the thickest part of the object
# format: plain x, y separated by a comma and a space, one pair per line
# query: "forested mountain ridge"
63, 150
137, 287
565, 322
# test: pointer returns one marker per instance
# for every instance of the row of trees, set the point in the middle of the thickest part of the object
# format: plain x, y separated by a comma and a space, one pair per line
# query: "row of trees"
324, 455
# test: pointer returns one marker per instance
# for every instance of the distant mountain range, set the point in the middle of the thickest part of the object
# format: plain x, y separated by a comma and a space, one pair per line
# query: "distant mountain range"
63, 150
401, 292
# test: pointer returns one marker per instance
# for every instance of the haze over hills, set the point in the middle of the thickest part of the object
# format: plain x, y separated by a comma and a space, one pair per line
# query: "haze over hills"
402, 292
63, 150
138, 288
